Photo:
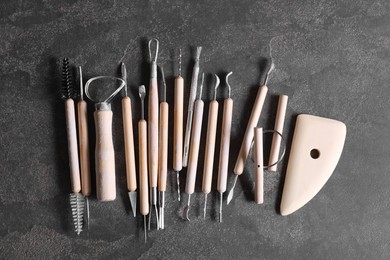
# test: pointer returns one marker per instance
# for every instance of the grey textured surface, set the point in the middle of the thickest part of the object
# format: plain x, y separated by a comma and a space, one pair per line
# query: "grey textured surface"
332, 59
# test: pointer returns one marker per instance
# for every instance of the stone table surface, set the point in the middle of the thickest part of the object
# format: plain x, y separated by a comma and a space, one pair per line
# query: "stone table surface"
332, 59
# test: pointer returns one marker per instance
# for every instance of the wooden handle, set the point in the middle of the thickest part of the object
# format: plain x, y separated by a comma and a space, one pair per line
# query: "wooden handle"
225, 145
104, 156
71, 132
153, 133
194, 147
163, 147
129, 144
248, 137
210, 146
259, 172
277, 139
84, 148
178, 125
143, 168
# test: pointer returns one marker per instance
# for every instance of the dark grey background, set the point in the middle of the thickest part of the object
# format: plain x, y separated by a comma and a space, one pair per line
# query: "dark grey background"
332, 59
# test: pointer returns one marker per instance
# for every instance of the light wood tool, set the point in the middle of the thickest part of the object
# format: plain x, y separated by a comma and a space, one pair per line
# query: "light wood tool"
210, 146
163, 150
178, 126
248, 136
129, 145
259, 171
225, 145
277, 139
104, 149
194, 86
153, 131
315, 151
84, 147
194, 149
143, 160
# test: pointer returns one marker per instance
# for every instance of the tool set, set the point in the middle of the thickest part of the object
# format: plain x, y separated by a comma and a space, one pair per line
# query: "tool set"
316, 146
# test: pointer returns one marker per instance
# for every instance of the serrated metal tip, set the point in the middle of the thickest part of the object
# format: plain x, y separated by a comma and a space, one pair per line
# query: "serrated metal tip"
77, 206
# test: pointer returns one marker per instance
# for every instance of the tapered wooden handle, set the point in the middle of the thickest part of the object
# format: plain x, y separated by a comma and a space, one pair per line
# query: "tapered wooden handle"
210, 146
178, 125
163, 147
194, 147
277, 139
259, 172
129, 144
153, 132
143, 167
248, 137
225, 145
84, 148
71, 133
104, 156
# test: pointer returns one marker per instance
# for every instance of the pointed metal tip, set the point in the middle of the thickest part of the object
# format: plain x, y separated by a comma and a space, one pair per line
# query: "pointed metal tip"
158, 222
145, 227
230, 195
161, 217
220, 206
178, 185
205, 206
187, 208
133, 202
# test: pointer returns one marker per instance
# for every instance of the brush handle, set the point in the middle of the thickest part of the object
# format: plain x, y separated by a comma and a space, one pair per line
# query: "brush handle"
178, 125
194, 147
210, 146
259, 172
225, 145
153, 132
71, 132
104, 156
248, 137
277, 139
84, 148
143, 167
163, 147
129, 144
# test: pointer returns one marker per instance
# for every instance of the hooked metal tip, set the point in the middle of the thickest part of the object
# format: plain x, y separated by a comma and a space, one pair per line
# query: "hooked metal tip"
124, 76
107, 100
150, 50
198, 51
217, 81
227, 83
230, 195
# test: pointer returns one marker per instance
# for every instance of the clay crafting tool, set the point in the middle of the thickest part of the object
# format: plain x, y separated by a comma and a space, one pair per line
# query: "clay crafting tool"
194, 149
248, 136
153, 130
76, 199
225, 145
315, 151
178, 126
104, 152
210, 146
194, 85
277, 139
143, 159
259, 171
163, 150
129, 145
84, 147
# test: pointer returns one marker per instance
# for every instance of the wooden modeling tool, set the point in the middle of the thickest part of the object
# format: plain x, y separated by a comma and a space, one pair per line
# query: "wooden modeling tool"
259, 171
315, 151
225, 146
248, 136
163, 150
178, 126
194, 149
210, 145
129, 145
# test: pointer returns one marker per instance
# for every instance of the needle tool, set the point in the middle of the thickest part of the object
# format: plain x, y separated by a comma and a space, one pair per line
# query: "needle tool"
225, 145
129, 145
153, 130
178, 126
194, 149
194, 85
84, 147
163, 150
143, 159
210, 145
248, 136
